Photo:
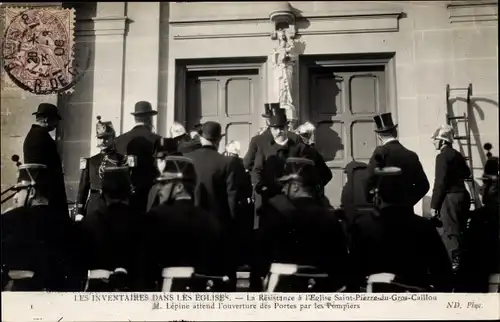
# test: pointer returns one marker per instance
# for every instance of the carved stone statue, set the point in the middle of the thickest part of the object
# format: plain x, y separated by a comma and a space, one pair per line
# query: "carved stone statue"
284, 60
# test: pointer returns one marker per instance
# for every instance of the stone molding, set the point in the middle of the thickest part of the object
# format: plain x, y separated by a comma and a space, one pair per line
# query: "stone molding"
102, 26
332, 23
473, 11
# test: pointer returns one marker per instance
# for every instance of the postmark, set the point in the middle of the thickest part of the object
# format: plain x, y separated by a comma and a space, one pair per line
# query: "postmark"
38, 49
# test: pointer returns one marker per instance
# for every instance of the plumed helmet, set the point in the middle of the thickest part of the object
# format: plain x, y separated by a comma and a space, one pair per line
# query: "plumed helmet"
233, 147
445, 133
104, 129
300, 169
306, 131
176, 130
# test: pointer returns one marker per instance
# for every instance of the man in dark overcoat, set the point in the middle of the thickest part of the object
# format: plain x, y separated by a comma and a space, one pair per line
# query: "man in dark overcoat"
175, 221
217, 188
412, 185
37, 243
450, 199
271, 156
141, 142
89, 196
108, 235
295, 229
394, 240
39, 147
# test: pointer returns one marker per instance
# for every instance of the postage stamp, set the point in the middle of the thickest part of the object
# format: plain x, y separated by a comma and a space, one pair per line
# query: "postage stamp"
38, 49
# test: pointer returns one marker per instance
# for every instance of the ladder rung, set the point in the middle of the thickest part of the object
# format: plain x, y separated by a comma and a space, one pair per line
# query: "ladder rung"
459, 89
457, 118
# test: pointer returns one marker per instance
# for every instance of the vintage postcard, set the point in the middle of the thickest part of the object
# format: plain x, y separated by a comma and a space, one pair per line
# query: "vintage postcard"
237, 161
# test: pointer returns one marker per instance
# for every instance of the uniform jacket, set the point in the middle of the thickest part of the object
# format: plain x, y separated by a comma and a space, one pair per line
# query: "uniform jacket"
451, 170
142, 143
301, 232
406, 189
39, 147
90, 178
256, 142
402, 243
217, 189
195, 233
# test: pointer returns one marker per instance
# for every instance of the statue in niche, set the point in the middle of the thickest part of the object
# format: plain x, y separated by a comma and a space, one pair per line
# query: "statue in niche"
284, 60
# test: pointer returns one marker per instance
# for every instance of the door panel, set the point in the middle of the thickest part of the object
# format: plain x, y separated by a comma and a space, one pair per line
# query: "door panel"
344, 100
228, 97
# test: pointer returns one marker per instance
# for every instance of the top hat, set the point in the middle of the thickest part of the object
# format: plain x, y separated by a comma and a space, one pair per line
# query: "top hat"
166, 147
268, 109
445, 133
30, 175
178, 168
300, 169
211, 130
116, 179
104, 129
278, 118
47, 109
384, 122
143, 108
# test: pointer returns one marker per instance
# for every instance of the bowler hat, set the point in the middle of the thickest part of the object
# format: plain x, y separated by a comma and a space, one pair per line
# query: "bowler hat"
47, 109
104, 129
143, 108
116, 180
211, 130
384, 122
278, 118
178, 168
300, 169
166, 147
31, 174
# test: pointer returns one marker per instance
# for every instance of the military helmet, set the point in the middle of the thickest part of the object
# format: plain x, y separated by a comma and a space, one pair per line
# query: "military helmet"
31, 175
444, 133
300, 169
104, 129
116, 180
178, 168
165, 147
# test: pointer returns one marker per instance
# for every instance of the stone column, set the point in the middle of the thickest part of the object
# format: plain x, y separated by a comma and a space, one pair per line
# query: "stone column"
108, 27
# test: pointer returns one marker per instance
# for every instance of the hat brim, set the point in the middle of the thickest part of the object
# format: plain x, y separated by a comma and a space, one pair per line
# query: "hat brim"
386, 129
145, 113
48, 115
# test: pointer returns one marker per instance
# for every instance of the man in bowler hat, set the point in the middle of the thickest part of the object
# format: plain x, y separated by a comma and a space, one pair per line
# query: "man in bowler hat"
141, 142
39, 147
89, 191
412, 185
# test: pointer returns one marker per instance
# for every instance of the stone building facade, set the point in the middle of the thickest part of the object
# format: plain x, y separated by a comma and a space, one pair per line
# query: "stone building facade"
344, 62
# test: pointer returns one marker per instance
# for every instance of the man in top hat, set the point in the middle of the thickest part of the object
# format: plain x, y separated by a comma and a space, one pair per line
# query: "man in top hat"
412, 185
177, 219
271, 156
450, 199
108, 234
394, 240
141, 142
39, 147
89, 191
36, 242
167, 146
295, 229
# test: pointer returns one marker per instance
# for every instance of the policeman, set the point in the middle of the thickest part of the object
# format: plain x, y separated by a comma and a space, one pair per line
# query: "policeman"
175, 221
89, 191
412, 185
167, 146
296, 230
395, 242
108, 234
450, 200
36, 241
479, 268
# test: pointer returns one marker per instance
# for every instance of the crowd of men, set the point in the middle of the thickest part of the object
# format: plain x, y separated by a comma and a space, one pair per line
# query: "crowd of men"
174, 214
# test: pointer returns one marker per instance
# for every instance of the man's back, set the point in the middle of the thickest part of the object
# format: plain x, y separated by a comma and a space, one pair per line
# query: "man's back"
402, 243
216, 191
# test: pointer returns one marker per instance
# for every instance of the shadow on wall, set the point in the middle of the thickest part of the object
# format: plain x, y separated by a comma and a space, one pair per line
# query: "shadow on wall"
328, 141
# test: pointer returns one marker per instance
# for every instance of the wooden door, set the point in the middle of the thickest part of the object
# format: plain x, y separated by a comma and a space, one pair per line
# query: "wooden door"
344, 100
231, 98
